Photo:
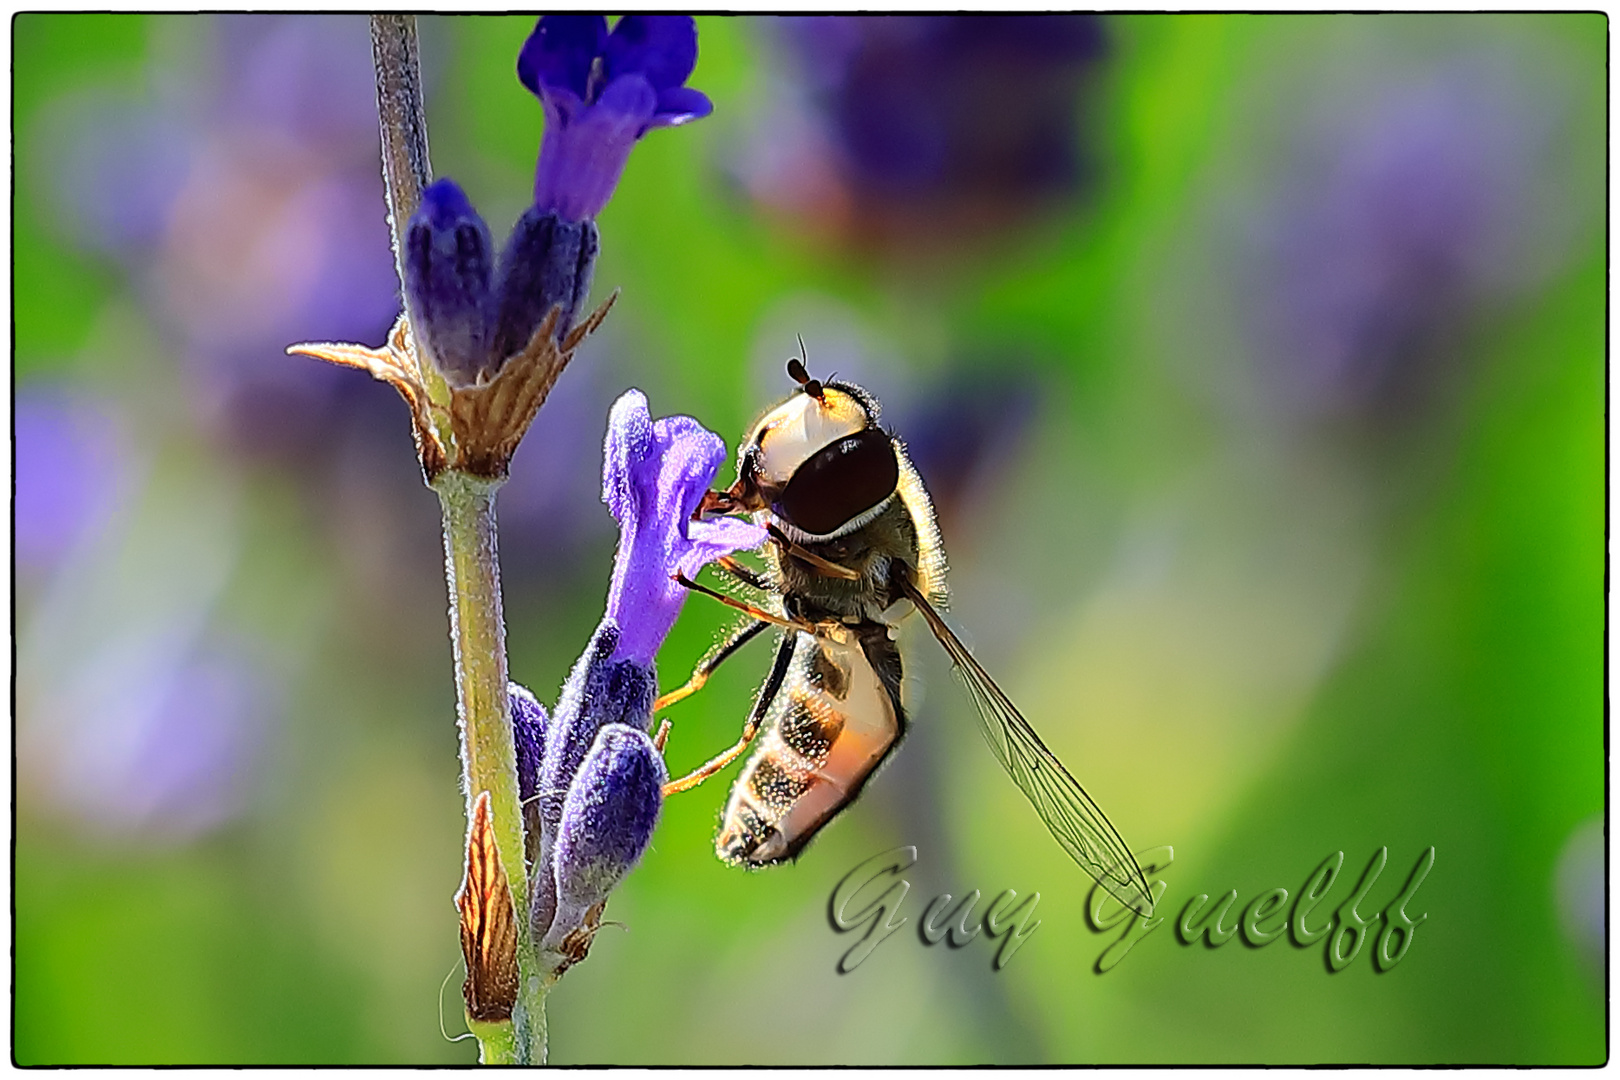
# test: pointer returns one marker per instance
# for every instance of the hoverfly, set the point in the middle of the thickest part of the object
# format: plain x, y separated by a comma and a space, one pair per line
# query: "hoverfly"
855, 548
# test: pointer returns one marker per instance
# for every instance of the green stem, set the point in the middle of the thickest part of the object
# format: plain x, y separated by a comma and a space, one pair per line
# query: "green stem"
478, 632
402, 120
488, 757
497, 1043
472, 566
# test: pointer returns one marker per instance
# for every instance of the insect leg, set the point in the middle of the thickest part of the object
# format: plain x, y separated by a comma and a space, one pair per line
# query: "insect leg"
747, 609
700, 675
743, 574
773, 684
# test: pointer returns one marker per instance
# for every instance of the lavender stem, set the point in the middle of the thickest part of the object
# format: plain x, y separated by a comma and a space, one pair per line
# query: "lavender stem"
403, 120
472, 564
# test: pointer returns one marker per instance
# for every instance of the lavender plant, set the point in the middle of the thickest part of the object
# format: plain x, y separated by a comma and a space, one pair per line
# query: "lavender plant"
559, 808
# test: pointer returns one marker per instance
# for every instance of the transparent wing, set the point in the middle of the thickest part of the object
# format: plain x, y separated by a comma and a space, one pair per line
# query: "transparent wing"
1078, 823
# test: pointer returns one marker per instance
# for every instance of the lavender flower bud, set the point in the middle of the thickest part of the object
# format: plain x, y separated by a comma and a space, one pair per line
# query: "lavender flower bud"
547, 262
607, 822
599, 691
448, 266
529, 738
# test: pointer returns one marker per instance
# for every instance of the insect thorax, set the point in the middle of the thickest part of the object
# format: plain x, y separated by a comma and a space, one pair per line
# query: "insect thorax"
874, 550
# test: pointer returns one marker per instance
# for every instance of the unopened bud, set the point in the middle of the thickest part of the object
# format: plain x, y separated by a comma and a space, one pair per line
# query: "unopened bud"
547, 263
529, 739
449, 266
607, 822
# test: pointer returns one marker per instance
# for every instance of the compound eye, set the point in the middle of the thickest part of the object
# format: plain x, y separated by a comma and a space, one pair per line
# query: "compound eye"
838, 483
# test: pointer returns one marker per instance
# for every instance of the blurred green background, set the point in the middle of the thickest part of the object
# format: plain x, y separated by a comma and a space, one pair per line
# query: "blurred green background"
1256, 364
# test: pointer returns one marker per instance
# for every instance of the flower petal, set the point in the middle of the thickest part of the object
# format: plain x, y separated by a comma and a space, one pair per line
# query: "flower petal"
629, 439
560, 52
681, 105
692, 454
581, 161
720, 536
663, 48
653, 480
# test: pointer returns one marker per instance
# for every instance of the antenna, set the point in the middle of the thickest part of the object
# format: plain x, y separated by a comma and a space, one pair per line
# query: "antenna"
796, 371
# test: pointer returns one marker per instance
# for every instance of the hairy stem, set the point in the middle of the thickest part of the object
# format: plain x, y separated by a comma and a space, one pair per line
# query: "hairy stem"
403, 120
479, 635
488, 757
472, 566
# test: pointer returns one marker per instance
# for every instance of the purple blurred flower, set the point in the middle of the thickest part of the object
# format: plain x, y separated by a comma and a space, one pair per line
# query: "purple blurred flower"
601, 92
241, 196
929, 102
1408, 207
924, 130
72, 469
653, 478
299, 75
607, 822
965, 429
115, 179
159, 749
1580, 884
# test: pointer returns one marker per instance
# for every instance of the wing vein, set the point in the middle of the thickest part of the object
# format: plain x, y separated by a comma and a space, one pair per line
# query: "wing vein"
1074, 819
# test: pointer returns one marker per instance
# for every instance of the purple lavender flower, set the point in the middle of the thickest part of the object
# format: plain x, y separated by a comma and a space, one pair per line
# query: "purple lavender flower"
607, 822
601, 92
653, 478
602, 689
547, 262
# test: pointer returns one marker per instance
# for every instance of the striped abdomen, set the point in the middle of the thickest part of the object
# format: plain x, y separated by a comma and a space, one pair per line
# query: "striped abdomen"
831, 723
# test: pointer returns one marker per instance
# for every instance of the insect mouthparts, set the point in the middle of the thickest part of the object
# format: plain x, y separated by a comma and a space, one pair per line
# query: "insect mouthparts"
714, 502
